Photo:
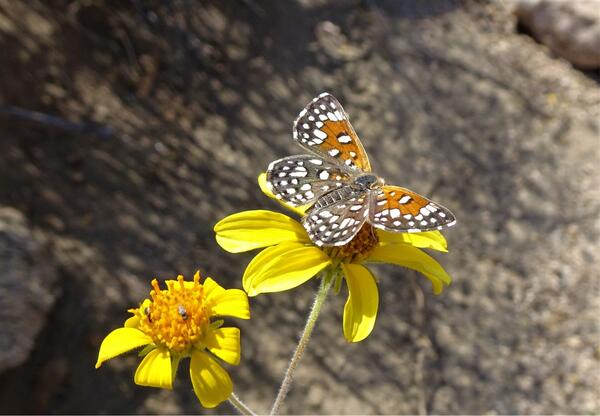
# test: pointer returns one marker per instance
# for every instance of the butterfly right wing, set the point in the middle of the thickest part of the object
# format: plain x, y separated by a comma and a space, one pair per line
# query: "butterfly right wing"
397, 209
301, 180
337, 216
324, 129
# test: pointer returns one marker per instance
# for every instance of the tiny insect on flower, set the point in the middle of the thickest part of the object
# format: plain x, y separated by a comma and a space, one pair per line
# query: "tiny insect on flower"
291, 258
177, 323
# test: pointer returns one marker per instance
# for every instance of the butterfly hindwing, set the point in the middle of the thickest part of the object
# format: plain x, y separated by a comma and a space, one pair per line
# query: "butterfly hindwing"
323, 128
300, 180
393, 208
337, 216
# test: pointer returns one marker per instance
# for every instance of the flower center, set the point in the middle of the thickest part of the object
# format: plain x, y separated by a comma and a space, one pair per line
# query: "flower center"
176, 317
359, 247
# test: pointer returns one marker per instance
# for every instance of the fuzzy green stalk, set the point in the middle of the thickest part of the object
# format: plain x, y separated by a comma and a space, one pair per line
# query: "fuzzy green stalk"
239, 405
326, 282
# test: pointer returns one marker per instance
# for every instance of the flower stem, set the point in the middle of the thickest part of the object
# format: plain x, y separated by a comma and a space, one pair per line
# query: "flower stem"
286, 383
239, 405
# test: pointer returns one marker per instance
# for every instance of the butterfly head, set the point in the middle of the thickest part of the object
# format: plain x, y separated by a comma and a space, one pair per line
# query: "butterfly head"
368, 181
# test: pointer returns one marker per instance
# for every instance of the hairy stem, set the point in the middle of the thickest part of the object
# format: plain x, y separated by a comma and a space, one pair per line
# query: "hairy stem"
326, 283
239, 405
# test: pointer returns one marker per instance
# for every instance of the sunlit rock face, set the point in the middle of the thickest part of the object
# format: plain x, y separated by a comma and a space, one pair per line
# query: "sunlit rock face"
571, 29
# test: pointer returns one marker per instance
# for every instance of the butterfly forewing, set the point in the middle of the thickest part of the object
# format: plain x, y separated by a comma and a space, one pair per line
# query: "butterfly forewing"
300, 180
393, 208
323, 128
337, 216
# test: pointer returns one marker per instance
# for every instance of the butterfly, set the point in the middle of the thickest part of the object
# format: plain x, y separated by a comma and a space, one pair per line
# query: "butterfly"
335, 179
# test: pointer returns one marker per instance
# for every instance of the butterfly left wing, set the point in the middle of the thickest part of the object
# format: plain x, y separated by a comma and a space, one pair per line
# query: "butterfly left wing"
337, 216
302, 179
323, 128
393, 208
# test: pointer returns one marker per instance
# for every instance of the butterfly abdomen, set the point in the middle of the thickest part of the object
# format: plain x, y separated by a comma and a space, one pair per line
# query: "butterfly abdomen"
334, 197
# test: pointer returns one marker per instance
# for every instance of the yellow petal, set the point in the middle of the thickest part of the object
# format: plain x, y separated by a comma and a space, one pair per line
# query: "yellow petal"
132, 322
225, 344
264, 187
283, 267
211, 382
412, 258
429, 239
227, 302
360, 311
248, 230
212, 288
120, 341
155, 370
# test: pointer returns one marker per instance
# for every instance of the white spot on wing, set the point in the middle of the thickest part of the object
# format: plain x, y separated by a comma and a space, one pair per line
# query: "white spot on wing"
320, 134
405, 199
344, 139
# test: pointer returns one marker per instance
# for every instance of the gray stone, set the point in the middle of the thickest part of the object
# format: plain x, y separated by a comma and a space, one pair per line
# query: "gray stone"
27, 287
571, 29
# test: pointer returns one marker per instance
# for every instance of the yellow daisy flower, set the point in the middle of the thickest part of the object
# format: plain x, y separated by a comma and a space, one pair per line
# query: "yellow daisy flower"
177, 323
291, 259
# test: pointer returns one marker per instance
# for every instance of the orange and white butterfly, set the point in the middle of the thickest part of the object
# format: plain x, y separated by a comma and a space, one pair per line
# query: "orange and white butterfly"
336, 179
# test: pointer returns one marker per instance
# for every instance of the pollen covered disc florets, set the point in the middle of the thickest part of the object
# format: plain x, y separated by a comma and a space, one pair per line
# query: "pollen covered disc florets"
359, 247
177, 317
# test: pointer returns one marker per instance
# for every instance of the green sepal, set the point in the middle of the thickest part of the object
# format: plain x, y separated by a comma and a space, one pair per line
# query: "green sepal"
175, 359
217, 324
337, 286
146, 350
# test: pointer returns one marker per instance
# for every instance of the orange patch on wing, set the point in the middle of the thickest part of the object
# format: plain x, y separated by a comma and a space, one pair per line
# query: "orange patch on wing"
342, 137
398, 197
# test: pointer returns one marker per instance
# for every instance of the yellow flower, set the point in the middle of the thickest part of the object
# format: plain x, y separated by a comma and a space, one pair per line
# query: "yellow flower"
177, 323
291, 259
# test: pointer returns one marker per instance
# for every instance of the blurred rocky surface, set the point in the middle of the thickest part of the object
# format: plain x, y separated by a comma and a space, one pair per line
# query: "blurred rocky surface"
28, 287
571, 29
200, 97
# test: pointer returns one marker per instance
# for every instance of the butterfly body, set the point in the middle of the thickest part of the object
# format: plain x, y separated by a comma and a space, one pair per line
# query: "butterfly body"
367, 181
336, 180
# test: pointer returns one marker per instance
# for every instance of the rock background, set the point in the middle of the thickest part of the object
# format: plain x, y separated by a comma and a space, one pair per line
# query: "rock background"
152, 120
571, 29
